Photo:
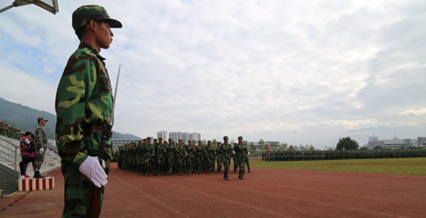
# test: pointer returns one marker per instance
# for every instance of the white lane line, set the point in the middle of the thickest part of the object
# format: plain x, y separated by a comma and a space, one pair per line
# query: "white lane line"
223, 199
149, 196
298, 199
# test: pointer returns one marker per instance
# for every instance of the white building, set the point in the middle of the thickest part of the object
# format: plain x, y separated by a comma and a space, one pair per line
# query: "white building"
395, 143
163, 135
185, 136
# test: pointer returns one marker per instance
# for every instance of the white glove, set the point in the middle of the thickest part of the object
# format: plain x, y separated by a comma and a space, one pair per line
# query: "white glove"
93, 170
41, 150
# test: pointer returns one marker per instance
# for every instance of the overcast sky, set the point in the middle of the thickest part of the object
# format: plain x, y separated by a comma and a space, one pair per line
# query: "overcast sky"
301, 72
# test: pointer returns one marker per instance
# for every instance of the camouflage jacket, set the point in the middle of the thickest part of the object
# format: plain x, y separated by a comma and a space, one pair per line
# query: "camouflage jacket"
225, 151
239, 150
83, 98
41, 138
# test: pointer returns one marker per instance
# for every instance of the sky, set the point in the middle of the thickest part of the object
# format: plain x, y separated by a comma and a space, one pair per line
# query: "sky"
300, 72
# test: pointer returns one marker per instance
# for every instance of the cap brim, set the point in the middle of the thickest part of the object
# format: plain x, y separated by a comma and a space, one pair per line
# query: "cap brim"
114, 23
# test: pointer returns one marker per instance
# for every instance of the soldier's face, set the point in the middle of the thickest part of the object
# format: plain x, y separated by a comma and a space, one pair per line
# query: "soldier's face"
240, 141
103, 35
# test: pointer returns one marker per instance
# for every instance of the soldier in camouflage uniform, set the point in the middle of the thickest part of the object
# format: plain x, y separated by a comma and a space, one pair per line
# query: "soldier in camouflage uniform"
190, 158
160, 151
182, 155
40, 146
149, 157
219, 158
246, 158
239, 157
210, 161
171, 156
226, 153
200, 152
83, 110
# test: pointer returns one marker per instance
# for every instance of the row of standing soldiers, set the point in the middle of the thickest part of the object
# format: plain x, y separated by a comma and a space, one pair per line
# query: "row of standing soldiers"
162, 158
291, 155
10, 132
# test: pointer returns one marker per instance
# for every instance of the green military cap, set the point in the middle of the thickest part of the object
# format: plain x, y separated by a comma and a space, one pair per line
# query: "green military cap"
149, 138
209, 141
240, 137
160, 138
40, 119
189, 140
180, 140
139, 141
170, 139
199, 141
84, 14
225, 137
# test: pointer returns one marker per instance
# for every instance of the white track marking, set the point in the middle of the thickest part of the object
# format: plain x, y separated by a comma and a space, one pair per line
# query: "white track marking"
149, 196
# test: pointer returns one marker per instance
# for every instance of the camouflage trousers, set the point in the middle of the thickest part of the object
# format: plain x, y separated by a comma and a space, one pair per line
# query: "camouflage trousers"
219, 165
38, 160
247, 163
189, 165
170, 161
235, 164
199, 164
77, 191
240, 162
226, 162
182, 165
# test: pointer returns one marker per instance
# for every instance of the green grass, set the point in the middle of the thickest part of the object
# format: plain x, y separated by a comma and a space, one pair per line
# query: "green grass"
410, 166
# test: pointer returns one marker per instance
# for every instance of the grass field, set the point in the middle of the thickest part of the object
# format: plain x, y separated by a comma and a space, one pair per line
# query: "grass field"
410, 166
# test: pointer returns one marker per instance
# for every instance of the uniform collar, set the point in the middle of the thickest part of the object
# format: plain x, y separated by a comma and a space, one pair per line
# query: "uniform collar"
91, 48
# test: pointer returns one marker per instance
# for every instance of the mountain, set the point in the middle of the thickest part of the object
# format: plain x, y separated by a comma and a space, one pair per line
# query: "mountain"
25, 118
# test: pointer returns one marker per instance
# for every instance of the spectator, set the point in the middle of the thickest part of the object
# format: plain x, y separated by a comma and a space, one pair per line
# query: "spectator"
27, 153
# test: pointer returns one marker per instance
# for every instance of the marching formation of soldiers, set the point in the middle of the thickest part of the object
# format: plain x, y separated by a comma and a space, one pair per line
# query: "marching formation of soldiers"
10, 132
291, 155
168, 157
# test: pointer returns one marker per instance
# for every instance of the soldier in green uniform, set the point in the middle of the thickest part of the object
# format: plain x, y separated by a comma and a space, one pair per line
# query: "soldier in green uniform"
226, 152
149, 157
200, 153
171, 156
190, 158
246, 158
40, 146
159, 153
182, 155
239, 157
218, 158
210, 161
83, 110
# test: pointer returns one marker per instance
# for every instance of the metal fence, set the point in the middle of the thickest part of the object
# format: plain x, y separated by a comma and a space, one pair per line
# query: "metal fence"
9, 153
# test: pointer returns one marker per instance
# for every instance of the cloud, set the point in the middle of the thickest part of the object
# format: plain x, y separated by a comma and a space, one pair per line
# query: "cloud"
297, 72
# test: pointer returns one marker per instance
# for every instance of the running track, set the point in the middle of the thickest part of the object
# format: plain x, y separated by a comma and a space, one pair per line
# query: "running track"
263, 193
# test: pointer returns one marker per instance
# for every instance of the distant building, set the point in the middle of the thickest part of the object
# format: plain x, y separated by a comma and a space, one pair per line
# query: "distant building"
373, 138
163, 135
185, 136
395, 143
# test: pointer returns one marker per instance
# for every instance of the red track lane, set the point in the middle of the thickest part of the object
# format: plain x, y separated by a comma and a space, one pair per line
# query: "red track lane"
263, 193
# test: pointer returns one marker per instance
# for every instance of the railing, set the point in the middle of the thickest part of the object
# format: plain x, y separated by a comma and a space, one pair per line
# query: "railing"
9, 152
